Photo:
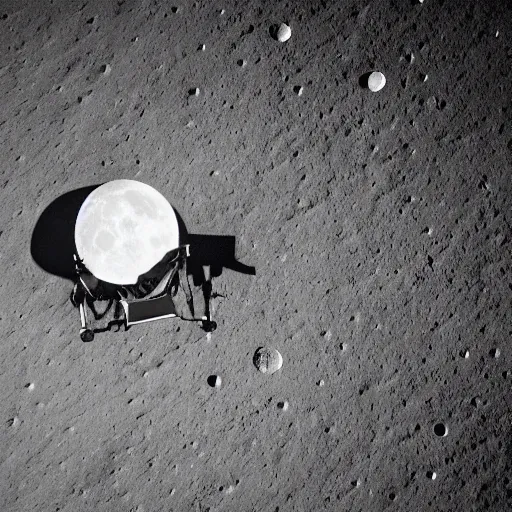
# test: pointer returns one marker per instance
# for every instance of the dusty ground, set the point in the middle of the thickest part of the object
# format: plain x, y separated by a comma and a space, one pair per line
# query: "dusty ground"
378, 223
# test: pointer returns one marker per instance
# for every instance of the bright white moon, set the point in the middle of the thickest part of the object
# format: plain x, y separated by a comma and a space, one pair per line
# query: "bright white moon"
123, 229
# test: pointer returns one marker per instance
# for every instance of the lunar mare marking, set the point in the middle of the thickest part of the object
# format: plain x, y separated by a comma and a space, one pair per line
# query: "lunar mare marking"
123, 229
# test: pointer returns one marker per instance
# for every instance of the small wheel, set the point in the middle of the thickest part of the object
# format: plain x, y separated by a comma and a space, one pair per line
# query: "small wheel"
209, 325
86, 335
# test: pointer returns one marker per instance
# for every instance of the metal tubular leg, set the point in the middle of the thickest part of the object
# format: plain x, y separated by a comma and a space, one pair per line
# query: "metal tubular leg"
208, 324
85, 334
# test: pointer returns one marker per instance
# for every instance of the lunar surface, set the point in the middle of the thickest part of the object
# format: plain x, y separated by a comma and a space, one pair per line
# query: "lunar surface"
379, 225
123, 229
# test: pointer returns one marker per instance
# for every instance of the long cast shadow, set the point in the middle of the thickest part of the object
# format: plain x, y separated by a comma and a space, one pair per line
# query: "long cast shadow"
215, 251
53, 239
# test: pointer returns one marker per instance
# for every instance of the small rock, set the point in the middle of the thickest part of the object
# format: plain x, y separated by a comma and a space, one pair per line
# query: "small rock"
106, 69
284, 33
298, 90
376, 81
321, 383
431, 103
432, 475
30, 386
194, 91
267, 360
14, 422
464, 354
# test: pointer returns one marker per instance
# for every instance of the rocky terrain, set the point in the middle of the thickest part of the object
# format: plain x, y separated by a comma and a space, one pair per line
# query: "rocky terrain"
378, 224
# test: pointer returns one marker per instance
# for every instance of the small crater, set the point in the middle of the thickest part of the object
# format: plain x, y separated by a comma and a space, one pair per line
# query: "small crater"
476, 402
495, 352
267, 360
440, 430
214, 381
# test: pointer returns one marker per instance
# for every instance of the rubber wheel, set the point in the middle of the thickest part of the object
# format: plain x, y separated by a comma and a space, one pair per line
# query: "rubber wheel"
86, 335
209, 325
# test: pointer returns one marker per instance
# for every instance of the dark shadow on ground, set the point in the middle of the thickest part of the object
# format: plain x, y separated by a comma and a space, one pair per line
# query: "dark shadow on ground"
363, 80
215, 251
53, 239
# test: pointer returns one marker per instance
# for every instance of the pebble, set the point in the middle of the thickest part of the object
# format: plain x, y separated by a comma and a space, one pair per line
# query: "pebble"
376, 81
14, 422
284, 33
267, 360
320, 383
30, 386
432, 475
106, 69
194, 91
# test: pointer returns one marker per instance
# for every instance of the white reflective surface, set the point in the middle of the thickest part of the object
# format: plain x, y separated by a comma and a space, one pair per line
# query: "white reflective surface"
123, 229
